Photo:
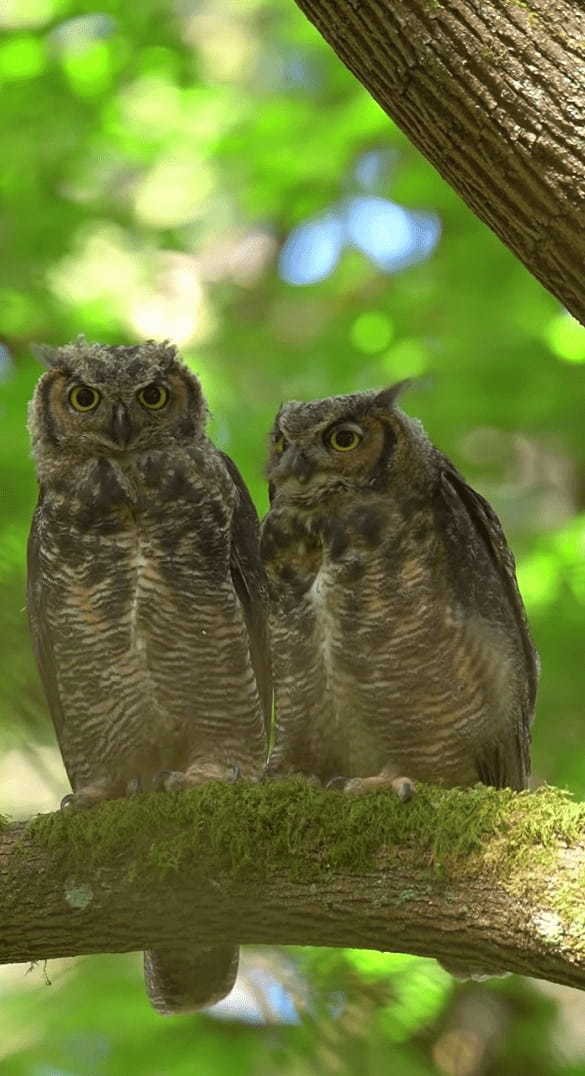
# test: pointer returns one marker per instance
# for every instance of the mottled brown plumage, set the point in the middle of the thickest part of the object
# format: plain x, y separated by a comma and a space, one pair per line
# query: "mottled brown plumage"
399, 638
146, 597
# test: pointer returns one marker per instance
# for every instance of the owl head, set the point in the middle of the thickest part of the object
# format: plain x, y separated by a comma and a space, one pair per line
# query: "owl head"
100, 400
362, 441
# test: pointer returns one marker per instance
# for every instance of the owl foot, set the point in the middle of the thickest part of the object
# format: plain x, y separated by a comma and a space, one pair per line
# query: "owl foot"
196, 775
403, 787
337, 783
87, 797
91, 795
168, 779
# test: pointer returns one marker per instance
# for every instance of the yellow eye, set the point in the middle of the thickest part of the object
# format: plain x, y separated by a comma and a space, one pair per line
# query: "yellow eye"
279, 444
83, 398
344, 438
153, 397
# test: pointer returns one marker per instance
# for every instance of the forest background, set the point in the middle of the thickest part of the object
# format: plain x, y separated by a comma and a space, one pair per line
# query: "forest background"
210, 173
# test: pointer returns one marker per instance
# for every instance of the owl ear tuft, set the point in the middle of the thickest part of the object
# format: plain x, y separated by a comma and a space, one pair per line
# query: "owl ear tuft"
386, 399
166, 352
162, 352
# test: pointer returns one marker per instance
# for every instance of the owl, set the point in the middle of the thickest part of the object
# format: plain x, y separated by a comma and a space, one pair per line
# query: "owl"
400, 643
146, 598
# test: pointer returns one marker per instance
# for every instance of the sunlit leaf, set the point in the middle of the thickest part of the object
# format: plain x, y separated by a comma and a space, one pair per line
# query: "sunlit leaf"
90, 72
372, 331
566, 338
21, 57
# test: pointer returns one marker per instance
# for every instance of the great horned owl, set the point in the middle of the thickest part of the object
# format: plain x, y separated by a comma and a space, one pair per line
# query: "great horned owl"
400, 644
146, 598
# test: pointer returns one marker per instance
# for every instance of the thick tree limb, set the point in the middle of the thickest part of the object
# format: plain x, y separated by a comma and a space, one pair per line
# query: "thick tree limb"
482, 877
493, 93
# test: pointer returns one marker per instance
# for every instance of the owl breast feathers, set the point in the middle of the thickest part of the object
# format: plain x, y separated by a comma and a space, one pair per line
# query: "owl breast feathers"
400, 644
146, 596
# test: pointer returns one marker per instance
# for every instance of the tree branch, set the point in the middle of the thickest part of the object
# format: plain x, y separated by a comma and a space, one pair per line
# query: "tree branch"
479, 876
492, 92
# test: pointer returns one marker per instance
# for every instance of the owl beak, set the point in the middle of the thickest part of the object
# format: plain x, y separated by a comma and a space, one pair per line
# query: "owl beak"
121, 427
298, 465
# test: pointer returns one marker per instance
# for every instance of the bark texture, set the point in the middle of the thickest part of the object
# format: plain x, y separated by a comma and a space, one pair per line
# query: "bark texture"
479, 877
493, 93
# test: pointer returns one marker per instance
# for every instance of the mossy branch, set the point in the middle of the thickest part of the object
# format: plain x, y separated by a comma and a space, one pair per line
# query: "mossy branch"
491, 91
479, 877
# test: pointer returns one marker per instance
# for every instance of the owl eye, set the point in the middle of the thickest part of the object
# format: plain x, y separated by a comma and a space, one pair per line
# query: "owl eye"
344, 438
153, 397
83, 398
279, 444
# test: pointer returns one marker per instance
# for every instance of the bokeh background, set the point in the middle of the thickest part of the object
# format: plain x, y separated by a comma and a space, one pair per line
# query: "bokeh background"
207, 171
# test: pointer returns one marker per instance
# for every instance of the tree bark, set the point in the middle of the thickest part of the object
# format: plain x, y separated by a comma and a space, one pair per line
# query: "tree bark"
493, 93
477, 877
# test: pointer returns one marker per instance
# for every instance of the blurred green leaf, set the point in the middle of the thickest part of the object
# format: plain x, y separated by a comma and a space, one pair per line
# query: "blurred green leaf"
21, 57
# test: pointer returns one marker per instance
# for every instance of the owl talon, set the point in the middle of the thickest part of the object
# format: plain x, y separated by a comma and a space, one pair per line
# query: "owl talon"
404, 788
338, 783
168, 779
158, 778
80, 801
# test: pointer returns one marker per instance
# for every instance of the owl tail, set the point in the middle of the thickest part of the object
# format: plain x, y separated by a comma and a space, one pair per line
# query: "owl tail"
183, 980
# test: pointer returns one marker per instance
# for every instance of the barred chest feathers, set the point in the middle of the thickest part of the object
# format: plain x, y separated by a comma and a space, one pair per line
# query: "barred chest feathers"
146, 599
399, 637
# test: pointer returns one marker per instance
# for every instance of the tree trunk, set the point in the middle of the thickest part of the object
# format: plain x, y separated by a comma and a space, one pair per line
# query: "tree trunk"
493, 93
478, 877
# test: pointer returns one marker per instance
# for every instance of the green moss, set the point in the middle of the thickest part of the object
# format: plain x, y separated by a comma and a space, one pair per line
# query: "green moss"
532, 844
292, 826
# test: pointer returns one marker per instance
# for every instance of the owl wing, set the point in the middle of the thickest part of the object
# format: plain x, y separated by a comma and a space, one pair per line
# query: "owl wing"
39, 624
250, 584
504, 764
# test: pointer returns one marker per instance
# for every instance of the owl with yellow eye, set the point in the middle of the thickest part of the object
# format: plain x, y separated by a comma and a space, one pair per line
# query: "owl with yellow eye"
146, 598
400, 645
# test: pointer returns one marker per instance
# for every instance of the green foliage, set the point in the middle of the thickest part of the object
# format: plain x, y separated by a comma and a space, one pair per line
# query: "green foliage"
155, 158
420, 988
